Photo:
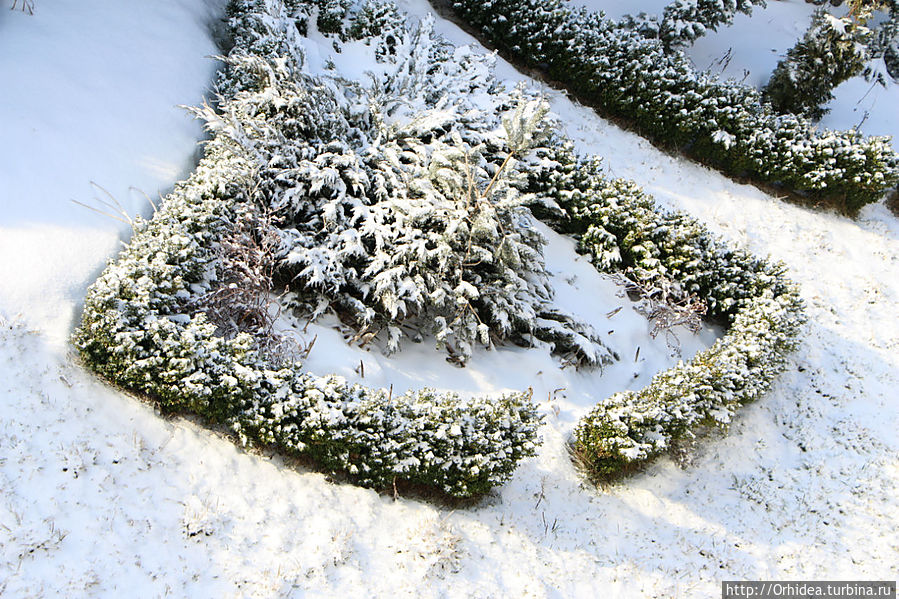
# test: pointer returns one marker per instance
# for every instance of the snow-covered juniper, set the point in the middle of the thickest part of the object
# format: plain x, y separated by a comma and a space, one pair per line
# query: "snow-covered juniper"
399, 202
684, 21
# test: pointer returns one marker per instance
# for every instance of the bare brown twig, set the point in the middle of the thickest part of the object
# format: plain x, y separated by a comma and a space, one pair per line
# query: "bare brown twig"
242, 299
664, 309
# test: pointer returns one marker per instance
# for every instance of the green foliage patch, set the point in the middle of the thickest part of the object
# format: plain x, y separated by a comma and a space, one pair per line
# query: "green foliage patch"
723, 124
301, 150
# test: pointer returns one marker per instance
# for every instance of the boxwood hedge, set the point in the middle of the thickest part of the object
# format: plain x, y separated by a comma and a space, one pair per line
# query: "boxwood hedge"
722, 124
623, 229
141, 328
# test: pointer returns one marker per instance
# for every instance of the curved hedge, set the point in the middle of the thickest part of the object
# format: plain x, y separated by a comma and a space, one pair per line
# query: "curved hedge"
139, 330
724, 125
141, 327
623, 229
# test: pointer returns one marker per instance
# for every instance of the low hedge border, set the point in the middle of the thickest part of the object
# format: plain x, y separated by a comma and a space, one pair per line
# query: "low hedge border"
622, 229
722, 124
139, 330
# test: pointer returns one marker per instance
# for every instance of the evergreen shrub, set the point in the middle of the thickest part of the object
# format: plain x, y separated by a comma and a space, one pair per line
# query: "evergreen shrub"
145, 327
830, 52
723, 124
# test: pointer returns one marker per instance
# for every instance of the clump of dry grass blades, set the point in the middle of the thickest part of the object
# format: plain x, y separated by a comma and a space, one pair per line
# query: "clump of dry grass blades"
243, 298
25, 5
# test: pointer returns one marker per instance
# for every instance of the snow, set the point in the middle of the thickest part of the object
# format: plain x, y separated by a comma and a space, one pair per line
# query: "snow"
867, 106
88, 107
566, 393
101, 496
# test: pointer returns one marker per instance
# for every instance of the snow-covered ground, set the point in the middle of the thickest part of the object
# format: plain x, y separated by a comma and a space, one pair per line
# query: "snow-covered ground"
99, 495
88, 105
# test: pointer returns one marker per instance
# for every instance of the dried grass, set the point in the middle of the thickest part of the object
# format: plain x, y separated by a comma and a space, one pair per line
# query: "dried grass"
665, 306
24, 5
243, 298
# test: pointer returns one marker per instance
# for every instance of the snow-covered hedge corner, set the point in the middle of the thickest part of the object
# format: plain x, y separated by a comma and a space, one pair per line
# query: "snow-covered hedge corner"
141, 328
622, 228
723, 124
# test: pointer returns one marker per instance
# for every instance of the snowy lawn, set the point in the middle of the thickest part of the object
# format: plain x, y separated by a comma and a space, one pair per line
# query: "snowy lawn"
100, 495
89, 103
